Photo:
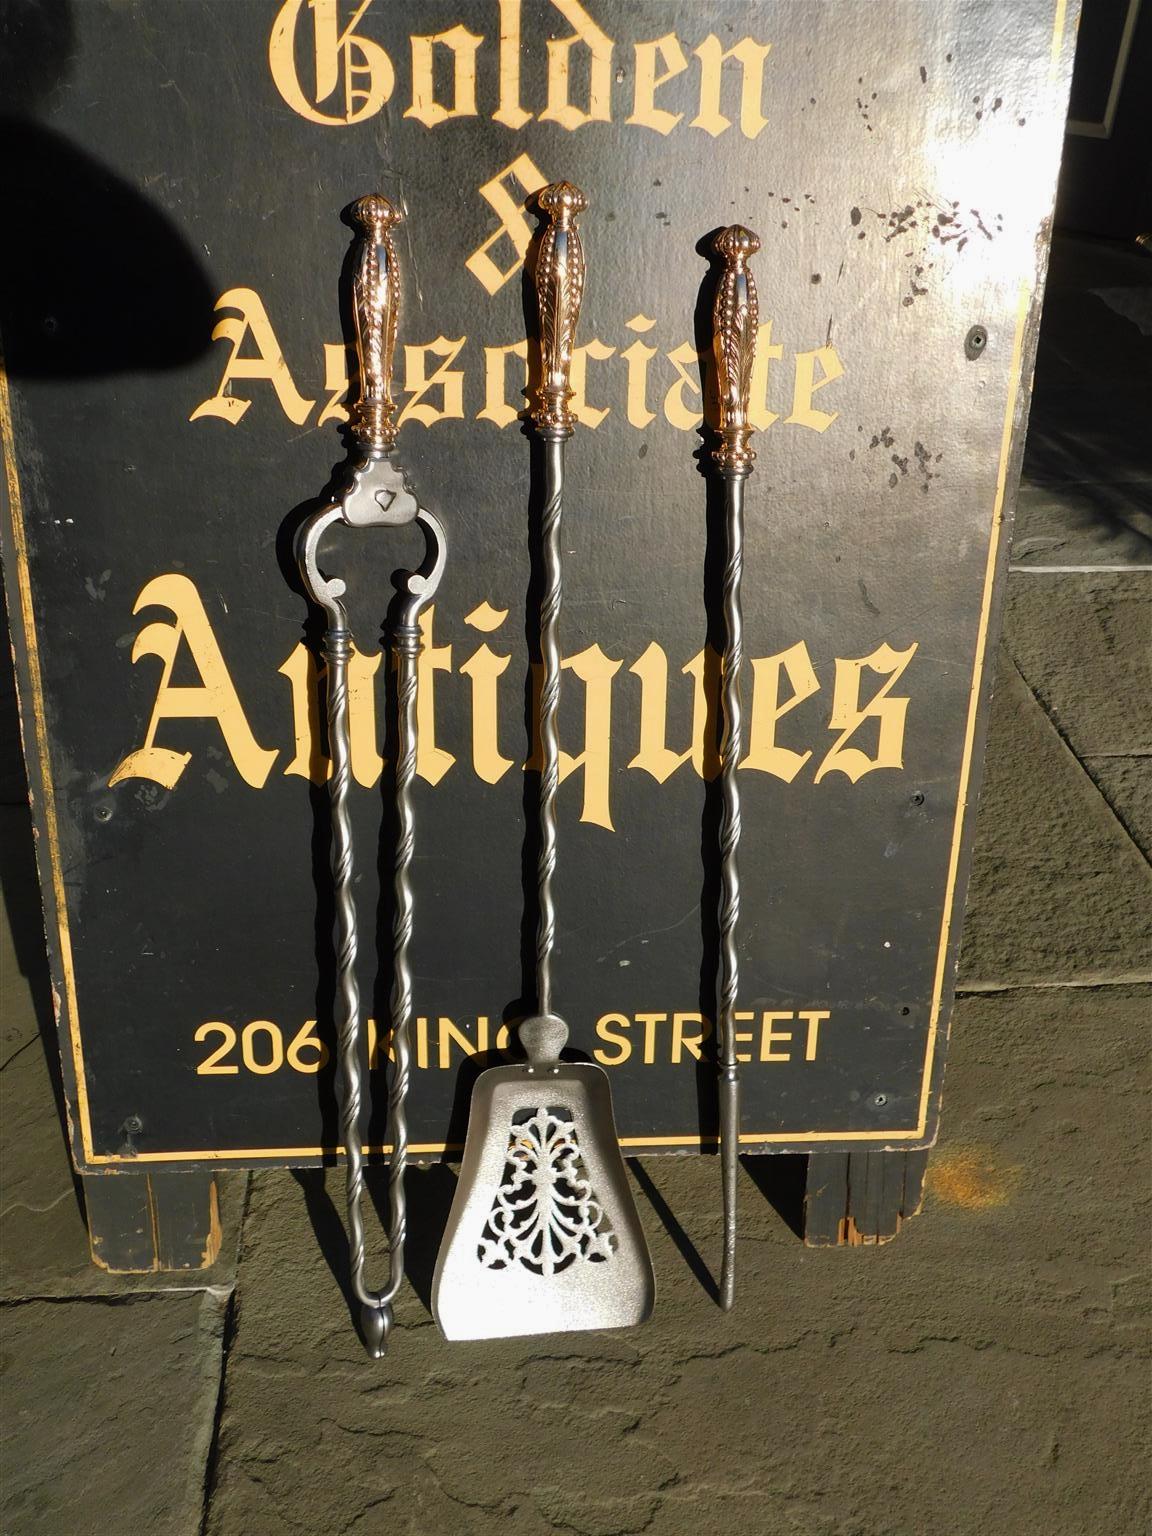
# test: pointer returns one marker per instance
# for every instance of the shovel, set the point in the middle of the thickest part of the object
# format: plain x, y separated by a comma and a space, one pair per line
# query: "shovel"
543, 1235
378, 496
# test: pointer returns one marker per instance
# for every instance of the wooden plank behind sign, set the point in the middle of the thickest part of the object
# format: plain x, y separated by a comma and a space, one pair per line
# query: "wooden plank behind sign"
175, 364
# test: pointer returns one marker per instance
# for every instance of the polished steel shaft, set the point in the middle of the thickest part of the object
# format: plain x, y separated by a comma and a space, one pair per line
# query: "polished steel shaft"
551, 598
731, 742
406, 650
559, 280
337, 649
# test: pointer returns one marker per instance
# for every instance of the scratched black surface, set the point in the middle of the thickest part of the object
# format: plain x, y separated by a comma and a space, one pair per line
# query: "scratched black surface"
159, 166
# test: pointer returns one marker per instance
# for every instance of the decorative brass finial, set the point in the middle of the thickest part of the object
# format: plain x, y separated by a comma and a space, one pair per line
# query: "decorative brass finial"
559, 290
376, 310
735, 321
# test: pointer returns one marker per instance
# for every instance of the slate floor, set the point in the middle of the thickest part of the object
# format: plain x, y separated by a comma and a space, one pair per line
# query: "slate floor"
986, 1372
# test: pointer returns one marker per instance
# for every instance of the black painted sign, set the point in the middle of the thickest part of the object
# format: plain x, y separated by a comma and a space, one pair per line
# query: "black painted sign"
177, 353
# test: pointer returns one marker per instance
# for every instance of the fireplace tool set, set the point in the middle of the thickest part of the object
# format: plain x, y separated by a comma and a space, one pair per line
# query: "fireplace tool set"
543, 1235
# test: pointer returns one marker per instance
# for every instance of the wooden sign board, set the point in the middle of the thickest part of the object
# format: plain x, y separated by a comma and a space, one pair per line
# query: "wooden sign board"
176, 350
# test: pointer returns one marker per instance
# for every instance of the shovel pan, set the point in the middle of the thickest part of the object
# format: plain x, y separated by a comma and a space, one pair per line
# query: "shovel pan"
543, 1235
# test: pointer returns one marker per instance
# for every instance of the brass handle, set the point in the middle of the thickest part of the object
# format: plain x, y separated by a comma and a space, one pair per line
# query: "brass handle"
559, 290
376, 310
735, 322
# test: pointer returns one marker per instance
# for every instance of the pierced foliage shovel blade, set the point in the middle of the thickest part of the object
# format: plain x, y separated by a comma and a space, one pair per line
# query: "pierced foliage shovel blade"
543, 1235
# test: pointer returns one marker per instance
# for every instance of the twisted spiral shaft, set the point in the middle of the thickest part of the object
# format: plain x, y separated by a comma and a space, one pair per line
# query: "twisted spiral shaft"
731, 742
376, 1308
407, 648
337, 649
549, 714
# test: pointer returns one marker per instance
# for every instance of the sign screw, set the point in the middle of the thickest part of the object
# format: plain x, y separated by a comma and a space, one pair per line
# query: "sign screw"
975, 342
130, 1128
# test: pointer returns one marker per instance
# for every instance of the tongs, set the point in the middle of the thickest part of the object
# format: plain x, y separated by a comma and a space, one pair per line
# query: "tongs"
378, 496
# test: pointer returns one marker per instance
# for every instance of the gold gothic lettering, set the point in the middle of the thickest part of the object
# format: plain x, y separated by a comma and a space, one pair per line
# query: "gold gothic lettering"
350, 76
484, 668
785, 684
496, 407
514, 224
342, 58
463, 46
509, 111
638, 356
655, 756
804, 413
750, 56
213, 698
595, 671
418, 382
764, 753
767, 352
428, 366
268, 363
587, 415
848, 715
308, 761
645, 112
432, 762
585, 34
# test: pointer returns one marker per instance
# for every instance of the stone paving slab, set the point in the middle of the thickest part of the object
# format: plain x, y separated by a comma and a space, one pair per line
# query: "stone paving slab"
1059, 891
983, 1372
1126, 784
17, 1019
1066, 525
13, 783
43, 1238
1086, 497
108, 1416
1083, 644
24, 988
